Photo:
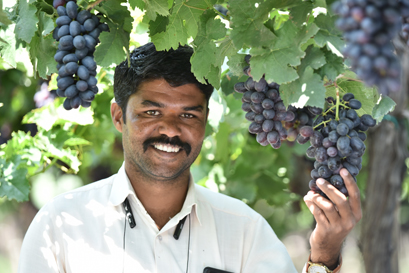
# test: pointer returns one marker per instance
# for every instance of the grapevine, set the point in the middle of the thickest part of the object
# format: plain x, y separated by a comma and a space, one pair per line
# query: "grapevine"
77, 33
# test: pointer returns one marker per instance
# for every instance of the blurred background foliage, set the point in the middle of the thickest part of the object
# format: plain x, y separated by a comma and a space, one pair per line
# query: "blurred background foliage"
273, 182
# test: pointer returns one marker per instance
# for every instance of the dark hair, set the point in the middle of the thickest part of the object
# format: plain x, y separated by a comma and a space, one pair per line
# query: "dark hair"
148, 64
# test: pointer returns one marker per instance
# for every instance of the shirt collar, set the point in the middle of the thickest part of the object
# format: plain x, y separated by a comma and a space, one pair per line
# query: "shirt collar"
122, 188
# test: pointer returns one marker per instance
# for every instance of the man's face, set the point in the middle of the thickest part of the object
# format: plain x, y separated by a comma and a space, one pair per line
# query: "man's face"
164, 128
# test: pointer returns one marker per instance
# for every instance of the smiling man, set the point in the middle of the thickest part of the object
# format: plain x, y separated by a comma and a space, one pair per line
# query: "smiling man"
151, 216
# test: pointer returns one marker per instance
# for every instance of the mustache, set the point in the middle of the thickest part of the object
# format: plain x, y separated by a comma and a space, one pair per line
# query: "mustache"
163, 139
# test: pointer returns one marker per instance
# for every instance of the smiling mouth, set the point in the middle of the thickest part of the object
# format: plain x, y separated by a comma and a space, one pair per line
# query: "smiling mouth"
167, 148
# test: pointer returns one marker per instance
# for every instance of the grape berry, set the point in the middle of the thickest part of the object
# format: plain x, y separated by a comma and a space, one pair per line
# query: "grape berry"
77, 33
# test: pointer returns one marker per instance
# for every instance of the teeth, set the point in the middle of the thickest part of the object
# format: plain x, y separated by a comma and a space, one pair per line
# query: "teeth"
167, 148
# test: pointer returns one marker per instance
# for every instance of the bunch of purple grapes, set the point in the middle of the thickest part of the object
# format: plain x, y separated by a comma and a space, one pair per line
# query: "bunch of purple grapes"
337, 143
266, 110
77, 33
368, 27
302, 117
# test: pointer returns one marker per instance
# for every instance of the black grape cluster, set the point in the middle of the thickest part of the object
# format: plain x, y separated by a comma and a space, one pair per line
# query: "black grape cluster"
266, 110
302, 117
337, 143
77, 33
368, 27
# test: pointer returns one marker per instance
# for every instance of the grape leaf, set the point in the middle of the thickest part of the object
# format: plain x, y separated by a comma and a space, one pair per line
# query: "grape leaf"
236, 64
333, 67
183, 23
111, 49
8, 50
299, 13
73, 141
140, 4
328, 34
307, 90
13, 181
44, 6
314, 57
45, 24
159, 25
26, 24
42, 51
284, 51
154, 7
4, 19
248, 23
207, 58
385, 105
118, 13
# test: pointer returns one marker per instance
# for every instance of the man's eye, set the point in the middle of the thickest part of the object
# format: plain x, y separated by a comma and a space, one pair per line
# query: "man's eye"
152, 112
188, 116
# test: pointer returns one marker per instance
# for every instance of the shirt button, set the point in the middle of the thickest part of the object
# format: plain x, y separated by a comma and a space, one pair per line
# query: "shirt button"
160, 238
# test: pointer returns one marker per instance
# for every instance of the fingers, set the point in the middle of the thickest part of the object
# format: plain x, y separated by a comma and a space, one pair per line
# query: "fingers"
353, 192
311, 201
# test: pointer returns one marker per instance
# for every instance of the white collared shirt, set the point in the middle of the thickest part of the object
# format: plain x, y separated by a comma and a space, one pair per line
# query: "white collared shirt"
85, 230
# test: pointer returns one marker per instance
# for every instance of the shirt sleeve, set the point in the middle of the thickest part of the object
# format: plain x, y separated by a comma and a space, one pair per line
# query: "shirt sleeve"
263, 251
40, 246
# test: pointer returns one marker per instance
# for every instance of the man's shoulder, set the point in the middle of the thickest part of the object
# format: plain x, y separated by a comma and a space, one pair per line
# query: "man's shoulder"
224, 204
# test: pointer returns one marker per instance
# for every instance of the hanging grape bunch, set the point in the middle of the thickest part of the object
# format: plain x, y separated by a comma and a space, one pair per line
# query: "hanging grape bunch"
77, 33
337, 141
368, 27
266, 110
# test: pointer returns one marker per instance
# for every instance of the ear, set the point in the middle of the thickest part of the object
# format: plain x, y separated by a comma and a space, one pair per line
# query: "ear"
116, 115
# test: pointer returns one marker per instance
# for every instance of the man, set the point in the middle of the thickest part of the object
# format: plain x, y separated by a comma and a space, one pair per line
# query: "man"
151, 216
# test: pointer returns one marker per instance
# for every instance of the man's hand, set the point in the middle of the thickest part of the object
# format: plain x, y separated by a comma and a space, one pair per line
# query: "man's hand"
334, 219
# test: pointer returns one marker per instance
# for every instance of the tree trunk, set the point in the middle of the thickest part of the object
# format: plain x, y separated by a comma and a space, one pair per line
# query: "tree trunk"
387, 152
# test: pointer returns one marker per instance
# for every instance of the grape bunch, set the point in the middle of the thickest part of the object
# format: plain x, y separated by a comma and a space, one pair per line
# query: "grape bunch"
77, 33
266, 110
337, 141
368, 27
302, 117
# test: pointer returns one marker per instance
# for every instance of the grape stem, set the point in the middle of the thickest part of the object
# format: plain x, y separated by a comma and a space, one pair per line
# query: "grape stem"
91, 6
337, 106
322, 123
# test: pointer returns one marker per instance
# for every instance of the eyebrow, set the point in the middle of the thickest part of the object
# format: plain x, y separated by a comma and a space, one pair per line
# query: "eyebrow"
198, 108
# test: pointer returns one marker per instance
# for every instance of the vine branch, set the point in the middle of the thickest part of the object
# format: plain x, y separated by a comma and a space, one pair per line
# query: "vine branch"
92, 5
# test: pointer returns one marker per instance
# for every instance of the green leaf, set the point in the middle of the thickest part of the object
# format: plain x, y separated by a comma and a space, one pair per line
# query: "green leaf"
300, 12
9, 50
117, 13
74, 141
4, 19
228, 82
44, 6
314, 57
207, 58
284, 52
154, 7
13, 181
42, 51
236, 64
307, 90
328, 34
333, 67
111, 49
27, 20
248, 23
159, 25
183, 23
140, 4
385, 105
46, 24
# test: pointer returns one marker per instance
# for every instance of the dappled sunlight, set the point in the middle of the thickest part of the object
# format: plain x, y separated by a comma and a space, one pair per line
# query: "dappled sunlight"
70, 220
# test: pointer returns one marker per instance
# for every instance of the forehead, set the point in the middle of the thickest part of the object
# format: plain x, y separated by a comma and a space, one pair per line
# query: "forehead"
160, 91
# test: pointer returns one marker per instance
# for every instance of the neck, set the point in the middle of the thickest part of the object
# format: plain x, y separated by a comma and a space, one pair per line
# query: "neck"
162, 199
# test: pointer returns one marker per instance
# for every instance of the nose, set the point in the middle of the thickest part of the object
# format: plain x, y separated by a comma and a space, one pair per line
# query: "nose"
170, 127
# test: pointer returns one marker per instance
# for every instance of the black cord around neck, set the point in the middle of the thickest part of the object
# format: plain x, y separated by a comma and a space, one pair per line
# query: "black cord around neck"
131, 220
